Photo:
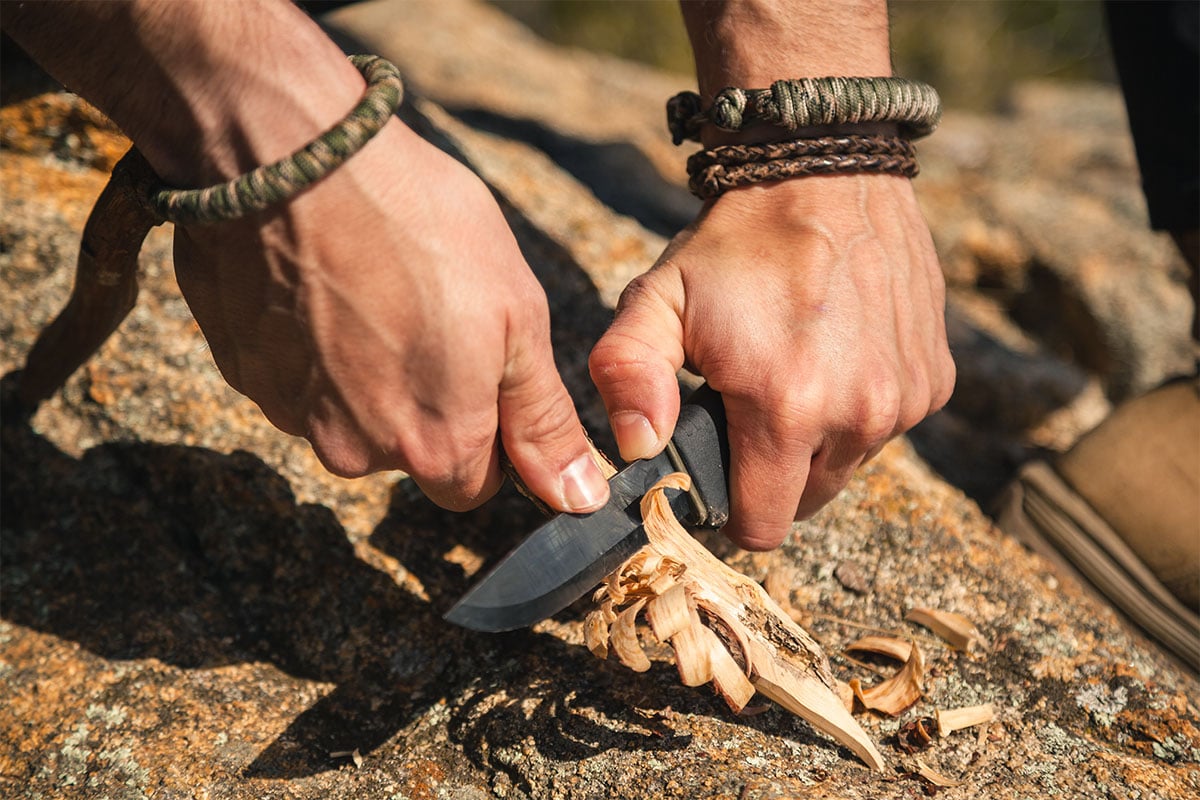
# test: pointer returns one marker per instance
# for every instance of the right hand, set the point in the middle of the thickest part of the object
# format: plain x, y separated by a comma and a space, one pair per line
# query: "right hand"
388, 316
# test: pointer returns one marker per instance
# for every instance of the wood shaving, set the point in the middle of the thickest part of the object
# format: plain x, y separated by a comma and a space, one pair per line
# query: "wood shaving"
890, 646
899, 691
955, 719
723, 627
956, 629
934, 777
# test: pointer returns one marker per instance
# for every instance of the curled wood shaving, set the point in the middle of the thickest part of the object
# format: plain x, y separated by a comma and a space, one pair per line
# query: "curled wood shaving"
899, 691
723, 627
728, 678
693, 652
670, 613
889, 646
624, 638
956, 629
595, 634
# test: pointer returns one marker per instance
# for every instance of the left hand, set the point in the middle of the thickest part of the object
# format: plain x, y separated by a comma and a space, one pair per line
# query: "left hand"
816, 308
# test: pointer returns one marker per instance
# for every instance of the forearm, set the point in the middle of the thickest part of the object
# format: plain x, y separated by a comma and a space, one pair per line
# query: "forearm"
752, 43
207, 90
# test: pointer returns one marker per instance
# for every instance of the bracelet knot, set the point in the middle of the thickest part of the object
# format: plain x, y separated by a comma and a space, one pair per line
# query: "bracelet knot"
727, 109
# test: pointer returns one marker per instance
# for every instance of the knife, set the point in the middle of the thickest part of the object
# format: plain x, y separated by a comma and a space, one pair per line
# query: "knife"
572, 553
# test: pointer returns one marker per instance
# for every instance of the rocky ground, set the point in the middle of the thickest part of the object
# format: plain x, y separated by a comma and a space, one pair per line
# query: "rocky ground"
190, 607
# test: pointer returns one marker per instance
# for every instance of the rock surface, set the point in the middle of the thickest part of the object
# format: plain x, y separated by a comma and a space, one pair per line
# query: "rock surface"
192, 608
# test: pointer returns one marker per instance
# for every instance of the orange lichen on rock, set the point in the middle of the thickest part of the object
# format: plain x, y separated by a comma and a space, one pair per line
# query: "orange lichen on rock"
60, 121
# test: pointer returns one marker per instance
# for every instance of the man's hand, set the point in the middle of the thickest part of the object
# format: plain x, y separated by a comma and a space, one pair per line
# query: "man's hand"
385, 313
388, 316
815, 307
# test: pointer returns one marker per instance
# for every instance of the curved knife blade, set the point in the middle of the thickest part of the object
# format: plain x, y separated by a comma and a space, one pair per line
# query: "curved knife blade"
566, 557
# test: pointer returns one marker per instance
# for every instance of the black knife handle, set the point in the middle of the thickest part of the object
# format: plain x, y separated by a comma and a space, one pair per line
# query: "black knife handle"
704, 449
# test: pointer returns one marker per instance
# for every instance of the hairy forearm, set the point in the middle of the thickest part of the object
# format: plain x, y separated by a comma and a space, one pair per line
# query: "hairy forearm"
206, 90
752, 43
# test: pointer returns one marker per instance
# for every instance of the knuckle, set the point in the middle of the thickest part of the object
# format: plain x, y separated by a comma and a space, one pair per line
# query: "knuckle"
546, 421
798, 407
344, 462
619, 359
880, 413
531, 310
454, 458
637, 292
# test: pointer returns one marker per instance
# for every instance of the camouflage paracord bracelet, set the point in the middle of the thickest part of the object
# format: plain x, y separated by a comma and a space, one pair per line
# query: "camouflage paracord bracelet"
273, 183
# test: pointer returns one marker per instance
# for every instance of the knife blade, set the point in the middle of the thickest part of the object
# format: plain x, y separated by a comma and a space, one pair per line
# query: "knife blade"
572, 553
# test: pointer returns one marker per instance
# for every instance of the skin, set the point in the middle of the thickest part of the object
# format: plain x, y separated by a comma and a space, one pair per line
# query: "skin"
815, 306
393, 326
387, 315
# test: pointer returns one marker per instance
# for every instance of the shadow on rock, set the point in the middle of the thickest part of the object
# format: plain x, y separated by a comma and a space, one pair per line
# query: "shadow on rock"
978, 441
550, 701
200, 560
618, 173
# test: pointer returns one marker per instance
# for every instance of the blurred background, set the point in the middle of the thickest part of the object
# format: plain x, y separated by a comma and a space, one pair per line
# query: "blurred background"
971, 50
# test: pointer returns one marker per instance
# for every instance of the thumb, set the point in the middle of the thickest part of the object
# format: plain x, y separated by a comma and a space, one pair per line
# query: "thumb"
542, 434
634, 367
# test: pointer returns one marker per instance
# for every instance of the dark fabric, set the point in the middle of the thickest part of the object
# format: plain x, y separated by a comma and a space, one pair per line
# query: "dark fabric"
1156, 46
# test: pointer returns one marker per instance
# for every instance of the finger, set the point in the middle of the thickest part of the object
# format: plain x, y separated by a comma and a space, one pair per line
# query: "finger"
884, 411
541, 432
469, 486
634, 367
829, 472
768, 472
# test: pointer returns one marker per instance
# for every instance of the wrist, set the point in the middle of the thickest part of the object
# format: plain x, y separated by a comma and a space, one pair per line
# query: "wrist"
227, 104
207, 90
752, 43
846, 203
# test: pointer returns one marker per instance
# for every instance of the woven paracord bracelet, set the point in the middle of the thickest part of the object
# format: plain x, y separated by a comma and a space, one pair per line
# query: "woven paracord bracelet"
714, 172
810, 102
273, 183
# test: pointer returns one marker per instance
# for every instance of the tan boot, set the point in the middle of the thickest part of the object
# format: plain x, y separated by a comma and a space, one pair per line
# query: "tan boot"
1121, 509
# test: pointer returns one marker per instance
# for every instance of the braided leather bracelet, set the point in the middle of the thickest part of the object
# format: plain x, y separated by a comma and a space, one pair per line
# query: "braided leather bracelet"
713, 172
274, 183
739, 154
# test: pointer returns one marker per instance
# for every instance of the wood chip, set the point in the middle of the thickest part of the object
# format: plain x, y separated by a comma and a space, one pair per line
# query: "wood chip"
956, 629
851, 576
899, 691
890, 646
915, 735
955, 719
933, 776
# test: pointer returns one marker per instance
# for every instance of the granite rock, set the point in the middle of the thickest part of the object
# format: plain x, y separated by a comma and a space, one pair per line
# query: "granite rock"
190, 607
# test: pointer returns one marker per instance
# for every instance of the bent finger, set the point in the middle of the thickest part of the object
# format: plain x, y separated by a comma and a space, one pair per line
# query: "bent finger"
542, 434
634, 368
767, 477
